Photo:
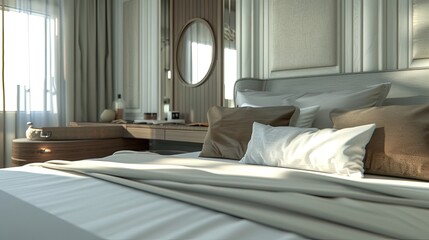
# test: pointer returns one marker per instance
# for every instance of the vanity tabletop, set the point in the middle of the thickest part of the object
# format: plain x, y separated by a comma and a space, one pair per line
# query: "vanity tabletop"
172, 132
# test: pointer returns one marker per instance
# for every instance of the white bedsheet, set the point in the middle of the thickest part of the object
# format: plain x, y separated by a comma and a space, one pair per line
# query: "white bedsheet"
317, 205
38, 203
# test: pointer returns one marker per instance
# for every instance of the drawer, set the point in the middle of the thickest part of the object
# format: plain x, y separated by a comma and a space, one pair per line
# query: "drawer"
26, 151
185, 135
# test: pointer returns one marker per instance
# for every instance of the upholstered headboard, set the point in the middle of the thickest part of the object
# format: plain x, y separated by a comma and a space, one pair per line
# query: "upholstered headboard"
408, 86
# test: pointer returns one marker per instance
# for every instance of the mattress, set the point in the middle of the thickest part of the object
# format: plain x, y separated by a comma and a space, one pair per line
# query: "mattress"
40, 203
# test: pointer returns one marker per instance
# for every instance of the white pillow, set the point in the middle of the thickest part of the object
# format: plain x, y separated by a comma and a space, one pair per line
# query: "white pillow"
302, 117
346, 99
326, 150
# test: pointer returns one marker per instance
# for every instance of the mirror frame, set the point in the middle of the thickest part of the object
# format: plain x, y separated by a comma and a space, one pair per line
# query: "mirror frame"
206, 76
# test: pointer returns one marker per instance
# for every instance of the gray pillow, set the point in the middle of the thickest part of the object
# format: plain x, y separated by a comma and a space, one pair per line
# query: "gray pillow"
345, 99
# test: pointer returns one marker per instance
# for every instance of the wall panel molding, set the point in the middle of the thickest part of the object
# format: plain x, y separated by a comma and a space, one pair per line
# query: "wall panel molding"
347, 36
303, 37
404, 29
419, 43
251, 37
391, 35
373, 35
357, 26
370, 35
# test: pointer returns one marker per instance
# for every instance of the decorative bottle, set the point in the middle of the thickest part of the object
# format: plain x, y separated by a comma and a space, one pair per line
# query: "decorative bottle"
119, 105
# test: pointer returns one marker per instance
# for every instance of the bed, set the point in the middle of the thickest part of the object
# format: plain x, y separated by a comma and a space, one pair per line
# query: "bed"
213, 194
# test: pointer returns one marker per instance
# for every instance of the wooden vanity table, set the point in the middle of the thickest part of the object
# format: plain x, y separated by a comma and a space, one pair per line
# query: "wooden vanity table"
168, 132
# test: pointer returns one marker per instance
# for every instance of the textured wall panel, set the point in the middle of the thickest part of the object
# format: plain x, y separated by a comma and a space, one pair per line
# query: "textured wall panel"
420, 29
303, 34
193, 102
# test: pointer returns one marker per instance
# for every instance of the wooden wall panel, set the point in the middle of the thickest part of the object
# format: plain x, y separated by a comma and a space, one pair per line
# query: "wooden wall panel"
193, 102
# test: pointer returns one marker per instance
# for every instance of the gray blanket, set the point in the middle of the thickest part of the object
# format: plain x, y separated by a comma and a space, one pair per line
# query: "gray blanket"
314, 205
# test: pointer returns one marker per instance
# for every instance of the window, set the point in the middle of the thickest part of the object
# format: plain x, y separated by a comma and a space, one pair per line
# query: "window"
30, 41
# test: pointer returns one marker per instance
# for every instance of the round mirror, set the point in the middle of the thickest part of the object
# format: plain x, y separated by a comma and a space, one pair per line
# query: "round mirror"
195, 52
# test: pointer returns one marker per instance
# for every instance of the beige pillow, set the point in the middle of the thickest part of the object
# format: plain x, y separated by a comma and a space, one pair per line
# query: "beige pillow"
230, 129
400, 144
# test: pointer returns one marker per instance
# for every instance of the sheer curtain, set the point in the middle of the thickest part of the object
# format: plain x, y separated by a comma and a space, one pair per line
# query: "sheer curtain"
57, 65
30, 68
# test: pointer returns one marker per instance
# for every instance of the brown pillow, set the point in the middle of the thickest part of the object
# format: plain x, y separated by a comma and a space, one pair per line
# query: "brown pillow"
230, 129
400, 144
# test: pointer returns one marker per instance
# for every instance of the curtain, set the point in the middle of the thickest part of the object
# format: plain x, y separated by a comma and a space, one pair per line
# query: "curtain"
88, 33
57, 65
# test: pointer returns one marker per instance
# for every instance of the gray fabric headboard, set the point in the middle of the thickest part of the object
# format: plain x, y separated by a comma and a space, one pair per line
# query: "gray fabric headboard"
408, 86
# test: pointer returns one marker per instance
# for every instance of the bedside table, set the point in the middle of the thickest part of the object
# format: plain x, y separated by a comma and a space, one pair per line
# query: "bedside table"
26, 151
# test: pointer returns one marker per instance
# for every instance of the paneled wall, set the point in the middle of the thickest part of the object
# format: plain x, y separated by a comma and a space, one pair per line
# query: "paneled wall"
287, 38
302, 34
420, 37
193, 101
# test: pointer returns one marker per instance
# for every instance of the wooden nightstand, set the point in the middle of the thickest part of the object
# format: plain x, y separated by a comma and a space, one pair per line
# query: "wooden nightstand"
26, 151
